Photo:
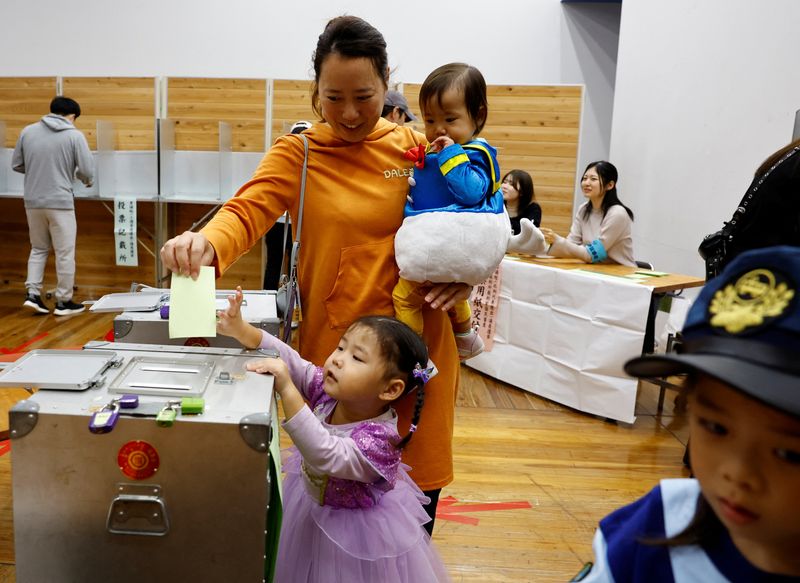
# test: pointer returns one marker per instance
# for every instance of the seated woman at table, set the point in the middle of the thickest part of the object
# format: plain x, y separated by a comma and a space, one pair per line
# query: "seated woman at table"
601, 230
518, 196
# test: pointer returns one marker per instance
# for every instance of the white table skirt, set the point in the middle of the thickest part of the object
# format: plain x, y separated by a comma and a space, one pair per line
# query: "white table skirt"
566, 334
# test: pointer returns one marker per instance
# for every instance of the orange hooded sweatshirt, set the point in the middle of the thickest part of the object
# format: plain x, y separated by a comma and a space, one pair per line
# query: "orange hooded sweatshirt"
355, 193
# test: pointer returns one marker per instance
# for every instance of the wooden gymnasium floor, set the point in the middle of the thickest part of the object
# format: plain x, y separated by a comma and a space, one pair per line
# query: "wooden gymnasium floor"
532, 478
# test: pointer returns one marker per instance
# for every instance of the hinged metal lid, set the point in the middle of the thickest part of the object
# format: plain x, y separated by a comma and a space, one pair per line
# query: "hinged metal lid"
144, 301
69, 370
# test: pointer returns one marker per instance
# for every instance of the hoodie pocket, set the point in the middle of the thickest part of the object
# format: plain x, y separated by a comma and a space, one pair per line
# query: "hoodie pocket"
364, 282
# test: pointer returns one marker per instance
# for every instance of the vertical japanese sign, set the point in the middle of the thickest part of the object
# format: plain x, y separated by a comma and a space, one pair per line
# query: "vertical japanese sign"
485, 299
125, 231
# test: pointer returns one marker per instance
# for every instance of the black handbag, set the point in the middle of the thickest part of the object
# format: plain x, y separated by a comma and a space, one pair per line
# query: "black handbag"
288, 295
714, 250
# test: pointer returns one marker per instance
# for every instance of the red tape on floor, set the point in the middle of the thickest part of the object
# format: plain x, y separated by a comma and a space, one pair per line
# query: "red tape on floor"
5, 447
448, 510
23, 346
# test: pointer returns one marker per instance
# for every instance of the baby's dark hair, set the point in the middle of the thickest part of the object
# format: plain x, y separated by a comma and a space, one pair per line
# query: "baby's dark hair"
405, 354
464, 78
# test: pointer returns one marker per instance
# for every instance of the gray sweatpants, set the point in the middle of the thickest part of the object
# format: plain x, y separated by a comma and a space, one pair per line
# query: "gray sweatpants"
56, 229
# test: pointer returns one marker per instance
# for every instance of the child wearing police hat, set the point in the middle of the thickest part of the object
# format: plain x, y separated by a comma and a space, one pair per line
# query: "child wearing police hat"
739, 518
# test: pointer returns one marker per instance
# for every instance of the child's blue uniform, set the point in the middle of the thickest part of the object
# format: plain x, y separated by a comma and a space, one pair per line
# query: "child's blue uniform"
621, 557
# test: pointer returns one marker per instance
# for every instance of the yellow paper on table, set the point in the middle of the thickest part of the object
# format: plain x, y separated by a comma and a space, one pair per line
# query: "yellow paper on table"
192, 305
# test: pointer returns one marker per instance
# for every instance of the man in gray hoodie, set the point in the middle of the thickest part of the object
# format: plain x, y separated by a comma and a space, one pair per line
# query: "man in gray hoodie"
50, 153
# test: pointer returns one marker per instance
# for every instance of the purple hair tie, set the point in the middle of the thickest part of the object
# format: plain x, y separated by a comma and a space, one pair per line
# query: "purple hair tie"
412, 428
423, 374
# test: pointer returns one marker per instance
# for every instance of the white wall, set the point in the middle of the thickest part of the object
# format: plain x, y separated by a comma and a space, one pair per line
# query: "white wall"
265, 38
589, 41
705, 91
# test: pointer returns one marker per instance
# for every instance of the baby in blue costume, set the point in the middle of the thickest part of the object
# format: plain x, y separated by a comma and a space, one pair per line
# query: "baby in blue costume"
456, 227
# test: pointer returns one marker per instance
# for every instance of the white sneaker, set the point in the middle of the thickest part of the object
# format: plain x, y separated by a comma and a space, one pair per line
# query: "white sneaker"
67, 308
469, 344
36, 304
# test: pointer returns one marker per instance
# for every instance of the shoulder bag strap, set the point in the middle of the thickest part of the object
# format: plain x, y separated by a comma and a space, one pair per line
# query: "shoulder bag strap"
296, 244
293, 294
730, 226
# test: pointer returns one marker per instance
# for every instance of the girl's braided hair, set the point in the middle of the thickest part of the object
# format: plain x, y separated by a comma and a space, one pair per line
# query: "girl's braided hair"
406, 357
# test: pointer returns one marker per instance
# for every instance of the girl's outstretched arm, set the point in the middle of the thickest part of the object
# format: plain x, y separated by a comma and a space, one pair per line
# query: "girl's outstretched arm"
231, 323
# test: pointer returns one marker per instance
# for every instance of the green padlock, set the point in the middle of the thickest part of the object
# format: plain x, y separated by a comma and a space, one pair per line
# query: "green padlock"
166, 417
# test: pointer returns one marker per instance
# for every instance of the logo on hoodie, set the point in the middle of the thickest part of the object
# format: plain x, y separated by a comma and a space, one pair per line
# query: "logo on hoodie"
398, 173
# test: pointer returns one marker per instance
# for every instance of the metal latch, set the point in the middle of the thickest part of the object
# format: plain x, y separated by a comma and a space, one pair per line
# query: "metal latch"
224, 378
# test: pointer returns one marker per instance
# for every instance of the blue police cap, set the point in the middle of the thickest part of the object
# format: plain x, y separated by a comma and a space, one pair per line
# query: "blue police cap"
743, 329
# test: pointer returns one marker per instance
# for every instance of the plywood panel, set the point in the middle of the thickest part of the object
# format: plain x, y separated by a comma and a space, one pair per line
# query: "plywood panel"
23, 100
198, 105
533, 91
246, 272
536, 129
291, 102
96, 271
95, 265
127, 102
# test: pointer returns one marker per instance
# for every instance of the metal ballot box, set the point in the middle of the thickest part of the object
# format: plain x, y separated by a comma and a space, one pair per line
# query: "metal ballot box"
155, 501
144, 321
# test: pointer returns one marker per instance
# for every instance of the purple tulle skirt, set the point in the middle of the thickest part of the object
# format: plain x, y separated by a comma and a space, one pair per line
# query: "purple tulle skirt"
382, 544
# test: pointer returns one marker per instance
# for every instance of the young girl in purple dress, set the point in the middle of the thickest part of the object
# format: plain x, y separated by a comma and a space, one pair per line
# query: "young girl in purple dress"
350, 511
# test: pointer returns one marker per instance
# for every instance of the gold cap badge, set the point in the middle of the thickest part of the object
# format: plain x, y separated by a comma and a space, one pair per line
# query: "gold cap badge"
758, 297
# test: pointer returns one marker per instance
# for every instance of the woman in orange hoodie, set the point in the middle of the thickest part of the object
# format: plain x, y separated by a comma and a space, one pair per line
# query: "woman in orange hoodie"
356, 187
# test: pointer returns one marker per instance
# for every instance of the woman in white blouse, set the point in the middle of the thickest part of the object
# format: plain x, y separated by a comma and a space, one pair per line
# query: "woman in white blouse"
601, 230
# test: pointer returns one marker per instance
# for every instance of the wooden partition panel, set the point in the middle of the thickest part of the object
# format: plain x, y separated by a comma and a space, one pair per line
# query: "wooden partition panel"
127, 102
198, 105
23, 100
534, 128
246, 272
96, 271
291, 102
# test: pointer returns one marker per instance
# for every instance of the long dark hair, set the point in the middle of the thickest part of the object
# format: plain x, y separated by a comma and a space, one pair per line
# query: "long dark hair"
352, 37
404, 353
607, 172
769, 162
704, 528
523, 182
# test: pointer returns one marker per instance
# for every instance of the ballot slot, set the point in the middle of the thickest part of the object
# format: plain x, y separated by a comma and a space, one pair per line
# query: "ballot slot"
163, 376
